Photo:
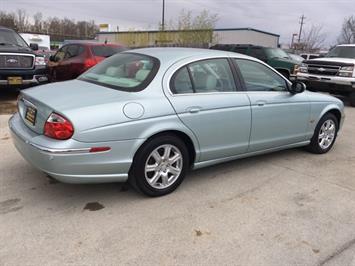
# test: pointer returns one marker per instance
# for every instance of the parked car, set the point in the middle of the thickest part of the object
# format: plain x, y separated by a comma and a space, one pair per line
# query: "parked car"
275, 57
73, 59
182, 108
20, 67
333, 73
310, 56
296, 57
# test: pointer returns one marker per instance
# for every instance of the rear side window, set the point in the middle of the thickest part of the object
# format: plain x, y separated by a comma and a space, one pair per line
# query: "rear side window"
124, 71
181, 82
241, 50
105, 51
258, 53
206, 76
74, 50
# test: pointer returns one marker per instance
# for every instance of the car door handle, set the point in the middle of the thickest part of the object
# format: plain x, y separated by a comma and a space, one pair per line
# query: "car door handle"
194, 110
260, 103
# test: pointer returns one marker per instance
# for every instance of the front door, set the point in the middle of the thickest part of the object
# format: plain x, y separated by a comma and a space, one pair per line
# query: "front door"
278, 117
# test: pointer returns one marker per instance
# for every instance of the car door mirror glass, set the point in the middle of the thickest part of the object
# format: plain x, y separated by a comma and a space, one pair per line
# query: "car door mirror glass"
297, 87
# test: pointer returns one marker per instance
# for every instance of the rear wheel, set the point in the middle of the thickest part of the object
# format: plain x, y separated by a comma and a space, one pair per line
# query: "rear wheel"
324, 135
352, 99
159, 166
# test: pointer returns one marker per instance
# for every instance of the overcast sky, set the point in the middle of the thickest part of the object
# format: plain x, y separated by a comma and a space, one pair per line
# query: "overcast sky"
277, 16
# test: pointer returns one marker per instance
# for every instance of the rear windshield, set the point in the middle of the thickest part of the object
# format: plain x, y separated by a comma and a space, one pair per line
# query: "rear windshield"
124, 71
106, 51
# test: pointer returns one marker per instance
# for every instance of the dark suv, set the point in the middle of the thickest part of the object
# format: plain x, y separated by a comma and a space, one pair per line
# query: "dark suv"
275, 57
20, 67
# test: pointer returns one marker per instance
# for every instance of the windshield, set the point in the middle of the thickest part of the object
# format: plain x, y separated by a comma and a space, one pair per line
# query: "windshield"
125, 71
11, 38
343, 52
276, 53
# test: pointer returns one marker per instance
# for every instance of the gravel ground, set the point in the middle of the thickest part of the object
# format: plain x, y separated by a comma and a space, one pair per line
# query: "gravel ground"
285, 208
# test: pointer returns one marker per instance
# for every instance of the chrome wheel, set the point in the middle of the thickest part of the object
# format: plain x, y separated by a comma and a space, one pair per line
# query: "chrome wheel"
326, 134
163, 166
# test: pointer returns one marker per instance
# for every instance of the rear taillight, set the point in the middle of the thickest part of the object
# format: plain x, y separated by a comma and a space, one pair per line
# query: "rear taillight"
58, 127
89, 63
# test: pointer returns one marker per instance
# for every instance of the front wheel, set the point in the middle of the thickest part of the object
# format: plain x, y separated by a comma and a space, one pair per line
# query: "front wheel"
159, 166
324, 135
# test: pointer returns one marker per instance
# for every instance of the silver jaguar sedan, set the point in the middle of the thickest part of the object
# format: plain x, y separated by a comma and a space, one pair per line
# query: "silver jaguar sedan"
150, 115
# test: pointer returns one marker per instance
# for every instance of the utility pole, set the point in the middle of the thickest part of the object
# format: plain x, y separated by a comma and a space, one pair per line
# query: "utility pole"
301, 27
163, 17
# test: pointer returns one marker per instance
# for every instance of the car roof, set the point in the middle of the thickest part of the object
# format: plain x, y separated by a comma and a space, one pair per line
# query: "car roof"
176, 54
350, 45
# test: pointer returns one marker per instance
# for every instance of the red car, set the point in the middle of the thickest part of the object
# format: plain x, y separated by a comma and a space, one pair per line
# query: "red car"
73, 59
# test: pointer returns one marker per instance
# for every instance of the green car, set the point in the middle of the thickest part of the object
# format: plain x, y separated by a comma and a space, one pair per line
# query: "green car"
275, 57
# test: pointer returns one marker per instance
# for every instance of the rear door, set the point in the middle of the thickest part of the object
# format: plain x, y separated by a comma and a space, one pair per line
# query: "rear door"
278, 117
208, 101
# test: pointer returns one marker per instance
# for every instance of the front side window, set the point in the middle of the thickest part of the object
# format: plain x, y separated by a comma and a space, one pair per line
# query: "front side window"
258, 77
213, 75
59, 56
124, 71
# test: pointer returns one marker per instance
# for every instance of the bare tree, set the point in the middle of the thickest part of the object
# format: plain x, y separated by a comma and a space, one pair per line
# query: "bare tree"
347, 34
38, 24
314, 38
22, 20
198, 30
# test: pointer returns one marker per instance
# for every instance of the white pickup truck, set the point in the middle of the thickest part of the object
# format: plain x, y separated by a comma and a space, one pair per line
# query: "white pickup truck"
334, 73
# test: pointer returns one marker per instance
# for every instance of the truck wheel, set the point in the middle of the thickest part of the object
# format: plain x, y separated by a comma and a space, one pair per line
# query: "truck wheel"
352, 99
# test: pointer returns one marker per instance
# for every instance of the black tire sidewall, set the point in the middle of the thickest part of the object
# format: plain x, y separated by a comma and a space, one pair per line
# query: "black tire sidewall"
314, 146
137, 175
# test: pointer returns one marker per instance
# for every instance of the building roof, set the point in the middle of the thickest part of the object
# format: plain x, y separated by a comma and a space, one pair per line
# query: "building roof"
247, 29
219, 29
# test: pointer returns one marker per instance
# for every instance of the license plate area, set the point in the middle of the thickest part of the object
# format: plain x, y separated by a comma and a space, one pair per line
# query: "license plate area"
31, 114
14, 80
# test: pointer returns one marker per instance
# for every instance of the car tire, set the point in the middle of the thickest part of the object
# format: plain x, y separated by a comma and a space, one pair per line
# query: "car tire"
352, 99
159, 166
324, 135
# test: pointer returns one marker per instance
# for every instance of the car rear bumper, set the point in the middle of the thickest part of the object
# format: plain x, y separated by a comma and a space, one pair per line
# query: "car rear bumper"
72, 162
330, 84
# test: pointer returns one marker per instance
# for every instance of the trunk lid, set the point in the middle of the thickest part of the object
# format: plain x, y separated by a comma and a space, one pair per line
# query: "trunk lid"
67, 98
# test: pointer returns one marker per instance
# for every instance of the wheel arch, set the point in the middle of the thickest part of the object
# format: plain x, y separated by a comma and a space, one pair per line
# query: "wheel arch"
188, 138
333, 109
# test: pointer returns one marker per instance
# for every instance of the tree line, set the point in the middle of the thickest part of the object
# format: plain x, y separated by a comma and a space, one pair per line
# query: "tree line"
58, 28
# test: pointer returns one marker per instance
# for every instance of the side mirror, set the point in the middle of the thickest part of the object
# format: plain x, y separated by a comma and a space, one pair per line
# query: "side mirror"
52, 58
34, 46
297, 87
